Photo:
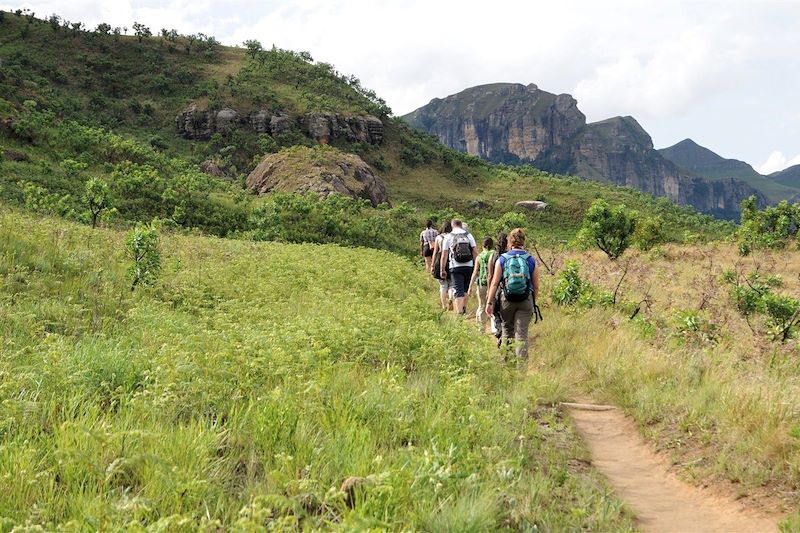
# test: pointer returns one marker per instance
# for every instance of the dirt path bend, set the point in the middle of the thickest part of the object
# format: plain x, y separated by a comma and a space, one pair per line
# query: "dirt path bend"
661, 502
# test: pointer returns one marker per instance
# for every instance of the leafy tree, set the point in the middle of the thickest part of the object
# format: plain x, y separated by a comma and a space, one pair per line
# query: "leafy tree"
142, 246
611, 229
253, 48
96, 197
77, 27
774, 227
55, 22
141, 31
649, 233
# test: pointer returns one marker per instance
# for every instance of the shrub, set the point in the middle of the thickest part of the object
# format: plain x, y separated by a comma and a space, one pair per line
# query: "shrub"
610, 229
649, 233
96, 197
142, 247
774, 227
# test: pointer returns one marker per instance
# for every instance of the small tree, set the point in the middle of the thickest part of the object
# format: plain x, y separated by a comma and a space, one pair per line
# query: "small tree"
96, 198
141, 31
649, 233
610, 229
142, 245
103, 28
253, 48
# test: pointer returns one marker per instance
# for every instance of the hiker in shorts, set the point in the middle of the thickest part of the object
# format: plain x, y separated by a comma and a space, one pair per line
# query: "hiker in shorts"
480, 277
444, 280
516, 277
497, 321
426, 241
459, 251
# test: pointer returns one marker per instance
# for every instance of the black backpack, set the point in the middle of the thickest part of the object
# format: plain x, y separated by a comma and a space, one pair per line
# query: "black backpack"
461, 248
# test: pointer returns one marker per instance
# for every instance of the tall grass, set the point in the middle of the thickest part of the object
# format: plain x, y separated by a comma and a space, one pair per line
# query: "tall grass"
245, 388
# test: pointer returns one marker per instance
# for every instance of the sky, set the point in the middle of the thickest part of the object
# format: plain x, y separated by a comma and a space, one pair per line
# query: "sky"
725, 73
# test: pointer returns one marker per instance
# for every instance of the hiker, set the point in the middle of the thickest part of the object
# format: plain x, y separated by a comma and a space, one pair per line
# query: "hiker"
497, 320
459, 252
436, 264
516, 276
426, 242
480, 278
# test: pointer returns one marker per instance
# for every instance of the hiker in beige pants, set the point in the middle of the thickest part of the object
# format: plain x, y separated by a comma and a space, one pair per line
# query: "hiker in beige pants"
516, 315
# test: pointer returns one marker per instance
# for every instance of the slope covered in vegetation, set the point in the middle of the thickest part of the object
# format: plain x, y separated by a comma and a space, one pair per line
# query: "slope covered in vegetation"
243, 389
65, 90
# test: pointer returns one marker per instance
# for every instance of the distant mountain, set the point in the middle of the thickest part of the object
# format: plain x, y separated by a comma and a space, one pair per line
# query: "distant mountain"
690, 156
698, 160
514, 123
789, 177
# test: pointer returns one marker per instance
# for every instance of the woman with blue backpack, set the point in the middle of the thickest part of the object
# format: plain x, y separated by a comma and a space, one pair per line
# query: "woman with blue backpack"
516, 277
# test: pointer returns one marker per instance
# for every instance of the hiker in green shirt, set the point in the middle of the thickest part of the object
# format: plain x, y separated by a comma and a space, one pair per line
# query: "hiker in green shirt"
480, 280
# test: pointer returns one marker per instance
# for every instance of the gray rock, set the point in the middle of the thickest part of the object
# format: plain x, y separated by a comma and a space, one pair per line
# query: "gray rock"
531, 205
260, 120
210, 167
195, 124
280, 123
225, 120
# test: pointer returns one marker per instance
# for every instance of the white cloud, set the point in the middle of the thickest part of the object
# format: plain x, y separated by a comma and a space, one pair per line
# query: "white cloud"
776, 162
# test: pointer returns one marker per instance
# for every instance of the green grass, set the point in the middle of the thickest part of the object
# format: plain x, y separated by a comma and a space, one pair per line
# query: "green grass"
719, 398
244, 389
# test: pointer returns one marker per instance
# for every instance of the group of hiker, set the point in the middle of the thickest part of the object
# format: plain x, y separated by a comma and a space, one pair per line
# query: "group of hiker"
503, 276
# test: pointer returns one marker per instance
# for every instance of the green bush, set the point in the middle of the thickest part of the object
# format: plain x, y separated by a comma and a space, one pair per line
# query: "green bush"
649, 233
142, 246
610, 229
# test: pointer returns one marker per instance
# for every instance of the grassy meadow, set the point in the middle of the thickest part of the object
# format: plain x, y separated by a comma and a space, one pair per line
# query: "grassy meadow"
719, 396
244, 388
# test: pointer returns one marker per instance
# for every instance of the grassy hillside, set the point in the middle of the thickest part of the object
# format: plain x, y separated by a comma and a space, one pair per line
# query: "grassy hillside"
64, 90
243, 389
701, 161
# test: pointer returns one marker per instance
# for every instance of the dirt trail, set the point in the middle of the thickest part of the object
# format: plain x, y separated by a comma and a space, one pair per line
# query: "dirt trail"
661, 502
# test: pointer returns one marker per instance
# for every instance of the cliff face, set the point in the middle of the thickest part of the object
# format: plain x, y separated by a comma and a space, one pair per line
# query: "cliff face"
503, 122
512, 123
201, 124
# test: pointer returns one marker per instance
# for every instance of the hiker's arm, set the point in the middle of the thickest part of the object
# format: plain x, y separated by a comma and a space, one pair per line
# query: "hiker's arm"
475, 271
421, 246
435, 248
443, 267
490, 294
535, 278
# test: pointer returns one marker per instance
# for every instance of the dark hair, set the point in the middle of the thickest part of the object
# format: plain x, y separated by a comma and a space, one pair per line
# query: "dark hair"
502, 242
488, 243
429, 223
447, 227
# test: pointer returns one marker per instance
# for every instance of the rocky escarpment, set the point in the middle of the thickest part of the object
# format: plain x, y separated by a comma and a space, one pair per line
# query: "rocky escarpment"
502, 122
511, 123
322, 171
200, 124
620, 151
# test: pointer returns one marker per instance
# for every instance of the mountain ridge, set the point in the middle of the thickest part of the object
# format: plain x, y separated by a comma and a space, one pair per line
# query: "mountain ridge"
515, 123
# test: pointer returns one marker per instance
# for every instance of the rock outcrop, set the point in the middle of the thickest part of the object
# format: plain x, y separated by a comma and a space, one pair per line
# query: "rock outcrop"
322, 170
531, 205
512, 123
199, 124
502, 122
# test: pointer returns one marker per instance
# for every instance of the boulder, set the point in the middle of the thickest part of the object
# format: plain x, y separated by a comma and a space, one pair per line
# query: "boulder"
225, 120
196, 124
280, 123
531, 205
321, 170
259, 121
210, 167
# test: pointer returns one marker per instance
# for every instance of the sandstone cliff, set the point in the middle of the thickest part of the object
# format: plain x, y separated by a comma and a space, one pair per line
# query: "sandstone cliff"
512, 123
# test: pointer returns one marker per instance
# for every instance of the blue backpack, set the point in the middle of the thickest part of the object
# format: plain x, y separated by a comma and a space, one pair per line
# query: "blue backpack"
516, 277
